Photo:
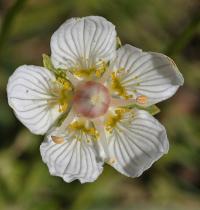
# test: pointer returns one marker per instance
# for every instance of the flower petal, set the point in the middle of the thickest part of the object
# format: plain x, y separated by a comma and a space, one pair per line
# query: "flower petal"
149, 74
70, 151
72, 159
136, 143
82, 42
28, 93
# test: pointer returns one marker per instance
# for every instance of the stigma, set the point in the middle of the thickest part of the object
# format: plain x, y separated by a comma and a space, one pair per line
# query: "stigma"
91, 99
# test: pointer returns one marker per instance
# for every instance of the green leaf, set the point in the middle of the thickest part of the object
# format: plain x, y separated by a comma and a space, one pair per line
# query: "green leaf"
47, 62
153, 110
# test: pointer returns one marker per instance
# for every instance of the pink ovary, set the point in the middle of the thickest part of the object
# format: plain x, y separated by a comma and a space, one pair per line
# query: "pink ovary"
91, 99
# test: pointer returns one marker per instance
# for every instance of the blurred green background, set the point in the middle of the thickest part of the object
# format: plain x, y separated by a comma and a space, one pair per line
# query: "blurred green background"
171, 27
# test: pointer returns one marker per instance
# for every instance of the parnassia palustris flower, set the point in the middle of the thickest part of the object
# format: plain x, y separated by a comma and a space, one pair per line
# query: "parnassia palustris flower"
91, 100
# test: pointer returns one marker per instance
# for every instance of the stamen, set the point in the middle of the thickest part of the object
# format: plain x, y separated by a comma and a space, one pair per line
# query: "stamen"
117, 86
92, 72
79, 127
102, 138
113, 119
72, 79
142, 100
105, 77
83, 73
57, 139
63, 94
68, 119
111, 161
101, 68
65, 83
117, 102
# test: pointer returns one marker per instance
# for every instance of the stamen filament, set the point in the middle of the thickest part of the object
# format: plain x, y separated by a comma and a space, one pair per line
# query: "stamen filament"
102, 137
72, 79
115, 102
56, 137
67, 121
105, 76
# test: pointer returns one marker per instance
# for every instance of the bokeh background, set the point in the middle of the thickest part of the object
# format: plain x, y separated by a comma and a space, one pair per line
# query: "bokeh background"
171, 27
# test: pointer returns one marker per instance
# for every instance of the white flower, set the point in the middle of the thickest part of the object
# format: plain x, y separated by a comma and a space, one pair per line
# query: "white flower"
88, 102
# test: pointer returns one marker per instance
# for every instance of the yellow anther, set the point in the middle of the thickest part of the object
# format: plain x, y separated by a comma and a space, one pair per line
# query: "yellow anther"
80, 127
93, 132
63, 106
113, 119
85, 73
57, 139
142, 100
63, 91
117, 86
65, 83
101, 68
96, 71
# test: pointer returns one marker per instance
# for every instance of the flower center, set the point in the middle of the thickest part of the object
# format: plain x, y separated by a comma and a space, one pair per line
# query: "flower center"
91, 99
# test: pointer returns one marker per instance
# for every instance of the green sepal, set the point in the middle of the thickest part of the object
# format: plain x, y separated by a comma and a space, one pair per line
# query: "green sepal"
153, 109
118, 42
47, 62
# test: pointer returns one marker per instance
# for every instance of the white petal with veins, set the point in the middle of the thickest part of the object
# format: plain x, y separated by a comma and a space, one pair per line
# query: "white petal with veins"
153, 75
82, 42
28, 93
73, 159
135, 144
